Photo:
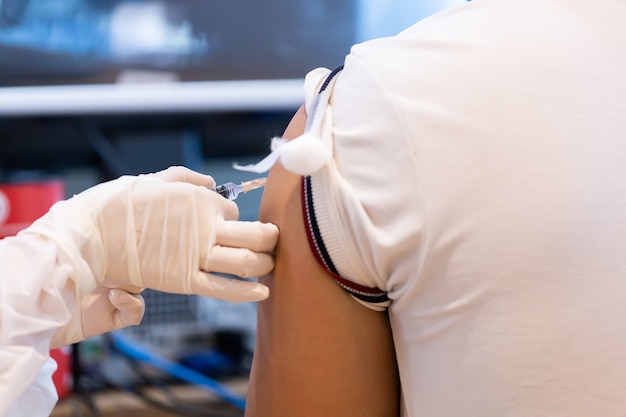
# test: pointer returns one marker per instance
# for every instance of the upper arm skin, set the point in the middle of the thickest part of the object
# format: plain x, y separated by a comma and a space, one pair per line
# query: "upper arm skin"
318, 351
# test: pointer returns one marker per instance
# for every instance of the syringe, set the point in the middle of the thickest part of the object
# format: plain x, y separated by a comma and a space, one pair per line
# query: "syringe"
230, 190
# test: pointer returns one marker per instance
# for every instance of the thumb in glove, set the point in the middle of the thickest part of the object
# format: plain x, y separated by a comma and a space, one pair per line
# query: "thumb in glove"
101, 311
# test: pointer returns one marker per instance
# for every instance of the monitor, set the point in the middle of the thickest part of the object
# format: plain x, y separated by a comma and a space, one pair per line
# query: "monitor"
165, 55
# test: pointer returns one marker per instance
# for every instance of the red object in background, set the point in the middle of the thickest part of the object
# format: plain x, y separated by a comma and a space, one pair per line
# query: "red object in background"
21, 203
62, 377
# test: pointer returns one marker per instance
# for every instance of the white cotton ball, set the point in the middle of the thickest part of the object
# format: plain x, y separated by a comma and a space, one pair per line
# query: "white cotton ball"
304, 155
277, 142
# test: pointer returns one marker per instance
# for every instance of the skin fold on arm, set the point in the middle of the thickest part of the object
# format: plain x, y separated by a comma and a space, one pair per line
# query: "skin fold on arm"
318, 351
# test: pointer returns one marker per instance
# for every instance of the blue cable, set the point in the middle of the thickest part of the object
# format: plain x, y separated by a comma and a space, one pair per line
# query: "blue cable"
175, 369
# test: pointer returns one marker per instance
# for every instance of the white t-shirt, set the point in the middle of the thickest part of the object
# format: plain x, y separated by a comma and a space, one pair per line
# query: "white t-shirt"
477, 186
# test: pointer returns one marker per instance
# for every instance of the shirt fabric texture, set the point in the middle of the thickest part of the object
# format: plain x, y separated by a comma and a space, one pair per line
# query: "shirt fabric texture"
478, 181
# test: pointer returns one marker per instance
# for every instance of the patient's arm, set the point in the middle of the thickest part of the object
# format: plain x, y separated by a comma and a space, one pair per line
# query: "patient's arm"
318, 352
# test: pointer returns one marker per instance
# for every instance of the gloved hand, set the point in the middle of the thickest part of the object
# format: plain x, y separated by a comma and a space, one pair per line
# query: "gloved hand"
165, 231
103, 310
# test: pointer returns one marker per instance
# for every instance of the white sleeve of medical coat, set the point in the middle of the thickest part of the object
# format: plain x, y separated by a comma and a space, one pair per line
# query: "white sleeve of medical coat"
36, 298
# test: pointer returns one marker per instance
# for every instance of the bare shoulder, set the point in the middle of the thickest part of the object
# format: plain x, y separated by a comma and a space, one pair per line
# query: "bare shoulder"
318, 351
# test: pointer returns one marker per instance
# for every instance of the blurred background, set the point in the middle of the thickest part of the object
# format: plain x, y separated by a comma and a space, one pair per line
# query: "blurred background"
94, 89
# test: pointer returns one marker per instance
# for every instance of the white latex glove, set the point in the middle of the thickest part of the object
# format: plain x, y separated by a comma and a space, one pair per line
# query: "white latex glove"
103, 310
162, 231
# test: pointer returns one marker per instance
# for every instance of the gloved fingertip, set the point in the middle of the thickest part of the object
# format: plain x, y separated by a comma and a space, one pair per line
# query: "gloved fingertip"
269, 236
229, 289
258, 292
130, 311
269, 227
119, 297
126, 319
272, 230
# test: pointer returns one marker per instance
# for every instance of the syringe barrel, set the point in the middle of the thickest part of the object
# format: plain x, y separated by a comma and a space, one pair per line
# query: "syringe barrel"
228, 190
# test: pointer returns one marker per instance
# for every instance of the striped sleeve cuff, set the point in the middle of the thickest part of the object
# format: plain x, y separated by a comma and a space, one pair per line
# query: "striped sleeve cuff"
373, 298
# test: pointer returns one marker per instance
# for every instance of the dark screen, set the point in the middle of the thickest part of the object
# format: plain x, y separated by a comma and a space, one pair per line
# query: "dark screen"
57, 42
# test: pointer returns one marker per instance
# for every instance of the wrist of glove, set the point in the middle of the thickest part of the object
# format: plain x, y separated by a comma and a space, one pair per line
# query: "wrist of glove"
101, 311
167, 231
